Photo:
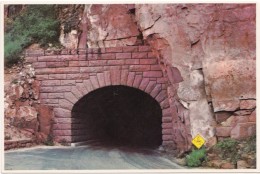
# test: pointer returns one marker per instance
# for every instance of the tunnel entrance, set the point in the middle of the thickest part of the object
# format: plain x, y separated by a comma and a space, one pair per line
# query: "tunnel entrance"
119, 115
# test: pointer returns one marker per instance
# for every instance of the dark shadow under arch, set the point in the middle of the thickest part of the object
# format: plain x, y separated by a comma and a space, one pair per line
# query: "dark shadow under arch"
119, 115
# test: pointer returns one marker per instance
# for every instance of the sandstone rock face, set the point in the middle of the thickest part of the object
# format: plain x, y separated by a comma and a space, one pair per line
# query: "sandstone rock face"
219, 39
21, 98
111, 26
243, 130
229, 81
70, 18
207, 51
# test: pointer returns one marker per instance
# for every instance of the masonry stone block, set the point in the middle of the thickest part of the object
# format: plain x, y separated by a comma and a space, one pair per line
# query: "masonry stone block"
50, 83
91, 69
45, 71
82, 88
76, 92
115, 62
167, 131
166, 119
108, 56
148, 61
77, 76
124, 77
165, 103
73, 63
97, 62
130, 49
68, 57
139, 67
70, 97
156, 68
61, 89
123, 55
65, 104
156, 90
39, 64
94, 82
144, 48
82, 57
49, 101
150, 86
131, 78
137, 81
57, 64
46, 89
55, 95
144, 83
167, 112
31, 59
43, 95
151, 55
42, 77
139, 55
88, 85
53, 58
115, 76
57, 76
67, 70
132, 61
161, 96
61, 126
62, 113
101, 79
153, 74
114, 50
67, 82
61, 132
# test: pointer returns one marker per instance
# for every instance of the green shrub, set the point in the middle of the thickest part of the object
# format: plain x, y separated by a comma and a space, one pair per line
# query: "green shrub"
251, 144
228, 148
64, 142
196, 157
36, 24
49, 141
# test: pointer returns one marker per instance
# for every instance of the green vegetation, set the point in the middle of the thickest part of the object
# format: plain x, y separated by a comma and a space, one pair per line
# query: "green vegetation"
64, 142
228, 148
35, 24
49, 141
196, 157
251, 145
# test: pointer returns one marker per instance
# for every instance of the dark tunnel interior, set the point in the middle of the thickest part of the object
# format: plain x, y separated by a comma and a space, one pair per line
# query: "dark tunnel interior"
119, 115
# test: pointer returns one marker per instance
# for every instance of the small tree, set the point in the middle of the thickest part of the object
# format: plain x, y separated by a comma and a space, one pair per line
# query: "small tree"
35, 24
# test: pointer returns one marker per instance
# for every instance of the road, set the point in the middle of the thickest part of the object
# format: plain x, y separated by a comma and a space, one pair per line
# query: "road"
86, 158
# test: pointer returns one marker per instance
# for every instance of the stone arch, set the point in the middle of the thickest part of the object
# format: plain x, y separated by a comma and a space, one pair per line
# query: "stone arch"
114, 77
117, 114
104, 79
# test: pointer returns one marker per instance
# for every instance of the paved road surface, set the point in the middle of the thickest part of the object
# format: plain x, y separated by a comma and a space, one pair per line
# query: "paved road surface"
84, 158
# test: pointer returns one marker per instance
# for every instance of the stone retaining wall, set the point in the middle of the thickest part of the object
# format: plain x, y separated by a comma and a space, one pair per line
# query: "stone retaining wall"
68, 75
13, 144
